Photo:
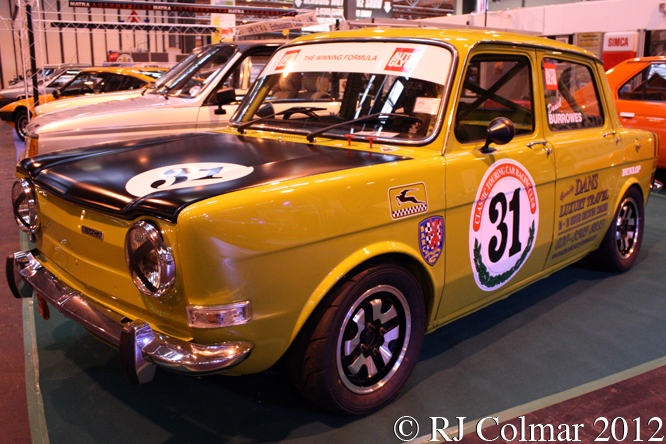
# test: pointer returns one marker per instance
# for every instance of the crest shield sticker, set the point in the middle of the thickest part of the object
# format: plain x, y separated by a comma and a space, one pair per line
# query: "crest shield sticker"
503, 225
431, 238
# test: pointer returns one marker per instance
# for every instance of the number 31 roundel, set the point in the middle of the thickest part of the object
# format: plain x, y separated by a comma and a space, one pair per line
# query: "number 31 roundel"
504, 224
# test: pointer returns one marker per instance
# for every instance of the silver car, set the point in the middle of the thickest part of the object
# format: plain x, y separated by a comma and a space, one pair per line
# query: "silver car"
55, 79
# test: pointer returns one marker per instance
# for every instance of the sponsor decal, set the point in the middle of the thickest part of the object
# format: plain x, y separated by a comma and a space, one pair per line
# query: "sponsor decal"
550, 73
631, 170
404, 59
582, 216
564, 118
185, 175
431, 238
503, 224
92, 232
287, 58
408, 200
341, 57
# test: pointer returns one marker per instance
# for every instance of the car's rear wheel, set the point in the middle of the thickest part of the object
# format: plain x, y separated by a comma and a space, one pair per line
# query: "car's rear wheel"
21, 123
360, 345
621, 244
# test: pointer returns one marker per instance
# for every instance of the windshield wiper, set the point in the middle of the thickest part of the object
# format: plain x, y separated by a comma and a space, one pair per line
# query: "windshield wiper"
307, 110
369, 117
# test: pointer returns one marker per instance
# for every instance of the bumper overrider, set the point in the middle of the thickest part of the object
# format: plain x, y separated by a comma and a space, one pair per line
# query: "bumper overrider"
141, 348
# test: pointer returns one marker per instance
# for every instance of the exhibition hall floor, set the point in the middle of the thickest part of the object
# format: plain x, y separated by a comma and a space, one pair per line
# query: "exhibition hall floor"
567, 350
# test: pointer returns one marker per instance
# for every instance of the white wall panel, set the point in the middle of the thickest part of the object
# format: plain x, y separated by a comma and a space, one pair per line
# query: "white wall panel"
99, 46
568, 18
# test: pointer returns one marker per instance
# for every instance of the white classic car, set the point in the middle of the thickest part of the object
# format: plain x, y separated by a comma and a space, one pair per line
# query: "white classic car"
197, 95
56, 79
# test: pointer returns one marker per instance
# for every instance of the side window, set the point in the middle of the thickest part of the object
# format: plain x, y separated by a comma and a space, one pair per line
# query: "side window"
97, 82
113, 83
242, 76
81, 84
246, 72
572, 98
132, 83
649, 84
86, 83
495, 86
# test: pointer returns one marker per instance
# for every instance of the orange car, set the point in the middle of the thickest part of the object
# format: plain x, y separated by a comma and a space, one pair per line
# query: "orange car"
639, 90
88, 81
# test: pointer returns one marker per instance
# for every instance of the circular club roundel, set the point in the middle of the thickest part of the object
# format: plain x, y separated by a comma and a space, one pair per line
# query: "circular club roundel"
503, 225
184, 175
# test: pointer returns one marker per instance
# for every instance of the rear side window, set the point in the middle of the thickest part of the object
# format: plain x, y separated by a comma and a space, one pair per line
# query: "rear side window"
132, 83
495, 86
649, 84
113, 83
572, 98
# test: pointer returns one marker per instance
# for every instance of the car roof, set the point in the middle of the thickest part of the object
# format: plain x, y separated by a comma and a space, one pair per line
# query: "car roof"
246, 44
130, 71
67, 65
646, 59
463, 39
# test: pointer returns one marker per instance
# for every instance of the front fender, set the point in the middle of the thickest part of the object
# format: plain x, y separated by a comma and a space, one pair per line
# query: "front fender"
357, 259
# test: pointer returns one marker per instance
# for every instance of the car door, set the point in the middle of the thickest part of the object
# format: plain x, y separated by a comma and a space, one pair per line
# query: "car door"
584, 142
240, 77
499, 205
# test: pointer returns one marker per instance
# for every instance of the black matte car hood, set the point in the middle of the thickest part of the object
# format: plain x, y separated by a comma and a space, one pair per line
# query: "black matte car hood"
96, 177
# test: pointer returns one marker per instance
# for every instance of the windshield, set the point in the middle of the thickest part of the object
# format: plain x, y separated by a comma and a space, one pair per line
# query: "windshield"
313, 87
192, 75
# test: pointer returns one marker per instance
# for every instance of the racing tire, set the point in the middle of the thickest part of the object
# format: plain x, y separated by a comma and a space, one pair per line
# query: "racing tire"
357, 350
621, 244
21, 123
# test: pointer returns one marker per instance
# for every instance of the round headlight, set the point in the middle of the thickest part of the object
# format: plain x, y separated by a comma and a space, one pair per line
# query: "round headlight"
24, 205
149, 260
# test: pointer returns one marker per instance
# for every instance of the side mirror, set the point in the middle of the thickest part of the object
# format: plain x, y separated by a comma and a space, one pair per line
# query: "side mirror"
500, 131
224, 96
56, 94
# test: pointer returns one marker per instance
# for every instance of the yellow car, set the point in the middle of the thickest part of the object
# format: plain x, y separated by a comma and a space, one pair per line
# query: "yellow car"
87, 81
373, 186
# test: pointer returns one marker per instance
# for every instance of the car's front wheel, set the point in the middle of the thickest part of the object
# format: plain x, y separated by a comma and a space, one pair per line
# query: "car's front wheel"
619, 248
21, 122
360, 345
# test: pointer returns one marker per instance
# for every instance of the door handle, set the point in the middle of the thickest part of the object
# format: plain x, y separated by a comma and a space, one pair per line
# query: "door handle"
627, 115
541, 142
611, 133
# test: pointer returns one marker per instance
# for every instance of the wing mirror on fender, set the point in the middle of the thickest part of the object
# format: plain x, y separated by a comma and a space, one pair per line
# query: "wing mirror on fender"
500, 131
224, 96
56, 94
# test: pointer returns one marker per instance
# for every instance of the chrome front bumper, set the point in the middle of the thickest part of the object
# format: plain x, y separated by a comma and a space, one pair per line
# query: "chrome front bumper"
141, 348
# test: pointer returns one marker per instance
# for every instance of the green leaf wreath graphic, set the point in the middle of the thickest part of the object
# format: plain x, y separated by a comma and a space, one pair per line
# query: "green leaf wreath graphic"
492, 281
